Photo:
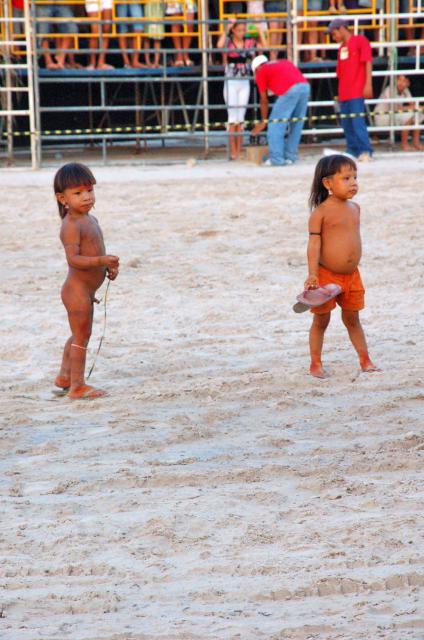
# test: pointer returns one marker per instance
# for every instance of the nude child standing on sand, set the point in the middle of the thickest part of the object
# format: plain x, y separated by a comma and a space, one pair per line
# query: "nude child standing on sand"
88, 264
334, 253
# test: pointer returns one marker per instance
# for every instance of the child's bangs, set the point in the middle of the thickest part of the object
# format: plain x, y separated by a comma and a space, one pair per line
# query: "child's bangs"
340, 161
73, 175
79, 175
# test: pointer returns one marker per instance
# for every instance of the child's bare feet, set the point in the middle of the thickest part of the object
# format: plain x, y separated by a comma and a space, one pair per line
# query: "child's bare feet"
318, 371
85, 392
367, 366
63, 382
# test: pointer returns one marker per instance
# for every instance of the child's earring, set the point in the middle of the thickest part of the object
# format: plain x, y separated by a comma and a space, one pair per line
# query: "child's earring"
330, 193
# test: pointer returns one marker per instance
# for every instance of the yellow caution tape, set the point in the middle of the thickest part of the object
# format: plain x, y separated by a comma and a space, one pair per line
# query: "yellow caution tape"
197, 126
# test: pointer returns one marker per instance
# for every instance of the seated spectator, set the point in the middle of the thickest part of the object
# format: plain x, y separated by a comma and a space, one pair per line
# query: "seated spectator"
66, 26
155, 30
134, 25
176, 9
404, 118
99, 10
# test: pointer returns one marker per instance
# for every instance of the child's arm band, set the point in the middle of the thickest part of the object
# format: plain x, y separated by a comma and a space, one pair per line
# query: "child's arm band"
315, 233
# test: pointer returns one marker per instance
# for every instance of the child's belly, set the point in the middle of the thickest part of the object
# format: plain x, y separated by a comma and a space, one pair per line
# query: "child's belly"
341, 257
90, 279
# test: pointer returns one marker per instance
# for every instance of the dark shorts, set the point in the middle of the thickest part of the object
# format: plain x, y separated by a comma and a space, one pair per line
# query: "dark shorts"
66, 26
275, 6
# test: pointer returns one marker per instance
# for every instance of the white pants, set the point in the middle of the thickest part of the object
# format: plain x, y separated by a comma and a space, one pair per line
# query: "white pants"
401, 119
96, 6
236, 96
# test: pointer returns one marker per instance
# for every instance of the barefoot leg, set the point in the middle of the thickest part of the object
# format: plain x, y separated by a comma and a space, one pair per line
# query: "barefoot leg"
316, 341
79, 305
357, 338
239, 140
232, 128
416, 141
63, 380
104, 39
93, 40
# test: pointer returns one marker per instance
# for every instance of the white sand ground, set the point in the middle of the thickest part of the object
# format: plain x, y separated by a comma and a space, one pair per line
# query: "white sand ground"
218, 492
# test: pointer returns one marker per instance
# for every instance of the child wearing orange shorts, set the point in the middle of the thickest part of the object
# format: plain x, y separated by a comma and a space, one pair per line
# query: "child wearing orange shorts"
334, 252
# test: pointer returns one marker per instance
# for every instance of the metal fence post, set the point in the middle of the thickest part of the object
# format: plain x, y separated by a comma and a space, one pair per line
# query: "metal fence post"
204, 26
33, 89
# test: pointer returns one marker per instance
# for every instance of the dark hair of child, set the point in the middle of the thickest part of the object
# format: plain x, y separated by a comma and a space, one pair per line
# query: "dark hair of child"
326, 167
69, 176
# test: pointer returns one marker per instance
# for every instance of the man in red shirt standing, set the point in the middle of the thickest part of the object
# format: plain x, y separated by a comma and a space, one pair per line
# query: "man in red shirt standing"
354, 67
284, 80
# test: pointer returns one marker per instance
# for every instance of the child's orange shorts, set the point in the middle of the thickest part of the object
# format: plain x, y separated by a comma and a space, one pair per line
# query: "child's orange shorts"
352, 297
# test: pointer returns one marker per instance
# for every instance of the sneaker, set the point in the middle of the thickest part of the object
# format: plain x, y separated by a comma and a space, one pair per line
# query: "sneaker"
365, 157
268, 163
288, 162
329, 152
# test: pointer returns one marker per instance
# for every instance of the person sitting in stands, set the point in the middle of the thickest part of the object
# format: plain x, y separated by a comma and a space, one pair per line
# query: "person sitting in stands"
404, 115
65, 26
134, 12
177, 9
99, 10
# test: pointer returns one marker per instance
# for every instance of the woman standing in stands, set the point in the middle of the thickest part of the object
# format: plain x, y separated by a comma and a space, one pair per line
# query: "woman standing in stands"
99, 10
238, 72
176, 10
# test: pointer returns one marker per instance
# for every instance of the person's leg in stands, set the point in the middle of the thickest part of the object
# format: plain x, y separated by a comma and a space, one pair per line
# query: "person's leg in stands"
43, 29
98, 10
177, 42
137, 26
275, 25
93, 42
68, 27
313, 34
122, 28
189, 28
173, 10
104, 41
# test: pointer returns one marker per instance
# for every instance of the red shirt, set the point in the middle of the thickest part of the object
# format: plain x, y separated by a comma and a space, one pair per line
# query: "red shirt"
18, 4
351, 67
278, 77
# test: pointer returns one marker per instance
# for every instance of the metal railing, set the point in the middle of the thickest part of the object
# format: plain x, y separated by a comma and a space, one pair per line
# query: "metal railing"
183, 103
17, 82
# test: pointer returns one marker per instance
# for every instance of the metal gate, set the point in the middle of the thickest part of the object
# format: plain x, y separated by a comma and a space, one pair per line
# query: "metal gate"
17, 98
